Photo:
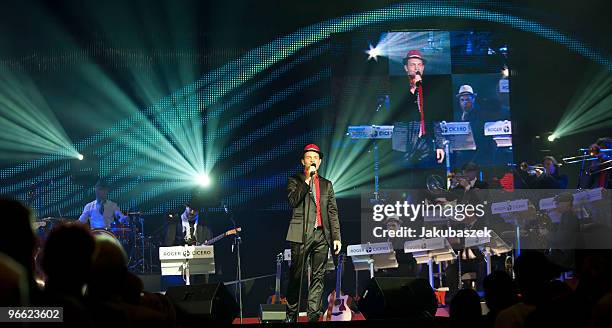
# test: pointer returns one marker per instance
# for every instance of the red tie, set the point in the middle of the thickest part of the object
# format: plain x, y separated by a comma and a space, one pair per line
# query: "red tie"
421, 111
317, 197
318, 201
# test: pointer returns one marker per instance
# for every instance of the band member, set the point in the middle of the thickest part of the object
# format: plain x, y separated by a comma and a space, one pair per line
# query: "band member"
470, 110
101, 212
420, 132
599, 174
550, 177
466, 188
546, 176
313, 201
469, 179
194, 231
566, 238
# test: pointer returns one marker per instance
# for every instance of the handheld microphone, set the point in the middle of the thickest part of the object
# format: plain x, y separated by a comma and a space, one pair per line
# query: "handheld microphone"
313, 171
418, 83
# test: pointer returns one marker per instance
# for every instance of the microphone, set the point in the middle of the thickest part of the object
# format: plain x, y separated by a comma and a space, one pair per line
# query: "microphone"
313, 171
418, 83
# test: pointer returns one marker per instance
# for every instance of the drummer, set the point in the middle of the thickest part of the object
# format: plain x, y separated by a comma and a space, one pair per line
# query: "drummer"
101, 212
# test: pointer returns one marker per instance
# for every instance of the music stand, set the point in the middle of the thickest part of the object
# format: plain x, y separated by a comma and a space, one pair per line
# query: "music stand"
490, 246
187, 260
458, 134
428, 251
371, 257
372, 132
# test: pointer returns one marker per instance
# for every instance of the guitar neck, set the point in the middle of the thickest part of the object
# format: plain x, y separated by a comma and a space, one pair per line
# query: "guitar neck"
339, 276
214, 240
278, 279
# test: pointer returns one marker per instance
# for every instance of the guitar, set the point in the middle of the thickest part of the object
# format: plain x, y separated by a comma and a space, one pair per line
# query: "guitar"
338, 303
277, 298
221, 236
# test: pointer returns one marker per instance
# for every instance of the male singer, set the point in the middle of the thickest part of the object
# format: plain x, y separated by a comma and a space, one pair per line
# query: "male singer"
101, 212
312, 194
420, 132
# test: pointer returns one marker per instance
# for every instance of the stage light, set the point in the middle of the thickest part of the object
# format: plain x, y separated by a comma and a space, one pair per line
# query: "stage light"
373, 53
552, 138
203, 180
80, 157
589, 109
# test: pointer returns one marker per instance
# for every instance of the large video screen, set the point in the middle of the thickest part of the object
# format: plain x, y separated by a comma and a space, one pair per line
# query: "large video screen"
445, 90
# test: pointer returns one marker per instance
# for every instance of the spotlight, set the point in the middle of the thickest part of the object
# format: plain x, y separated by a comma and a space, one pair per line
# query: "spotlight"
80, 157
373, 53
203, 180
552, 137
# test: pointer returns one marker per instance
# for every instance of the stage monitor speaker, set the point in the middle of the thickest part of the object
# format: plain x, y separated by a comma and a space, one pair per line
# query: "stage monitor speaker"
398, 297
208, 303
272, 312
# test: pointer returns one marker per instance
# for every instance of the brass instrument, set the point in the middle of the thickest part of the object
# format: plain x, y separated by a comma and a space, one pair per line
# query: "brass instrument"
533, 169
592, 153
456, 178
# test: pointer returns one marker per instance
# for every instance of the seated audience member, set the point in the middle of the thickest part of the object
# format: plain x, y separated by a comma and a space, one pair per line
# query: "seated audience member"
500, 293
533, 273
465, 310
18, 241
67, 264
602, 313
558, 308
112, 292
13, 283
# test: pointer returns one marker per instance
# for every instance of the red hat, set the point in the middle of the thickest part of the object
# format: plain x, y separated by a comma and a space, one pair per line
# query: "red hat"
313, 147
414, 54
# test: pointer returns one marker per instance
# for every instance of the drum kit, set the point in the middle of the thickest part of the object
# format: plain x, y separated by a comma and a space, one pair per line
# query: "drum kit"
139, 247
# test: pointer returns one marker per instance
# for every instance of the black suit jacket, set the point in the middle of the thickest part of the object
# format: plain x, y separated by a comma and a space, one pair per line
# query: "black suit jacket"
298, 193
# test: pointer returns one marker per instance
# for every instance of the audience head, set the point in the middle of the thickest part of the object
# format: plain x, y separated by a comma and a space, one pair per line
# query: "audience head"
465, 310
500, 292
67, 256
533, 271
109, 269
13, 283
17, 238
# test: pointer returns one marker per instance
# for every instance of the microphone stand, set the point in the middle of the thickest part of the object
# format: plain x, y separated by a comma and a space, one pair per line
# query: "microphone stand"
237, 242
303, 246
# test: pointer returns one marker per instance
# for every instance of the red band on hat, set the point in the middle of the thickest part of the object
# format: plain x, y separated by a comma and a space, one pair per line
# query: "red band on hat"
312, 147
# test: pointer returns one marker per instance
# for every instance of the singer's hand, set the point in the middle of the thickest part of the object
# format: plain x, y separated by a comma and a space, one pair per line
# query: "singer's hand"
440, 155
417, 79
337, 247
311, 171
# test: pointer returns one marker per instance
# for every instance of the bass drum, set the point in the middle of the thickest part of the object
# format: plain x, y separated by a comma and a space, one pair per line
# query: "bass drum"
104, 232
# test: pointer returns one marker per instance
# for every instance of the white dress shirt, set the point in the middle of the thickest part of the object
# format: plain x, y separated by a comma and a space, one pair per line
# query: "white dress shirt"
101, 214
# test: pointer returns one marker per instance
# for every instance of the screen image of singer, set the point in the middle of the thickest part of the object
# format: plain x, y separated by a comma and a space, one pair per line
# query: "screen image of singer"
463, 78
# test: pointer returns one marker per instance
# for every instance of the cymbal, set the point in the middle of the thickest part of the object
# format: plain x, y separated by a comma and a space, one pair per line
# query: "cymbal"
53, 219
